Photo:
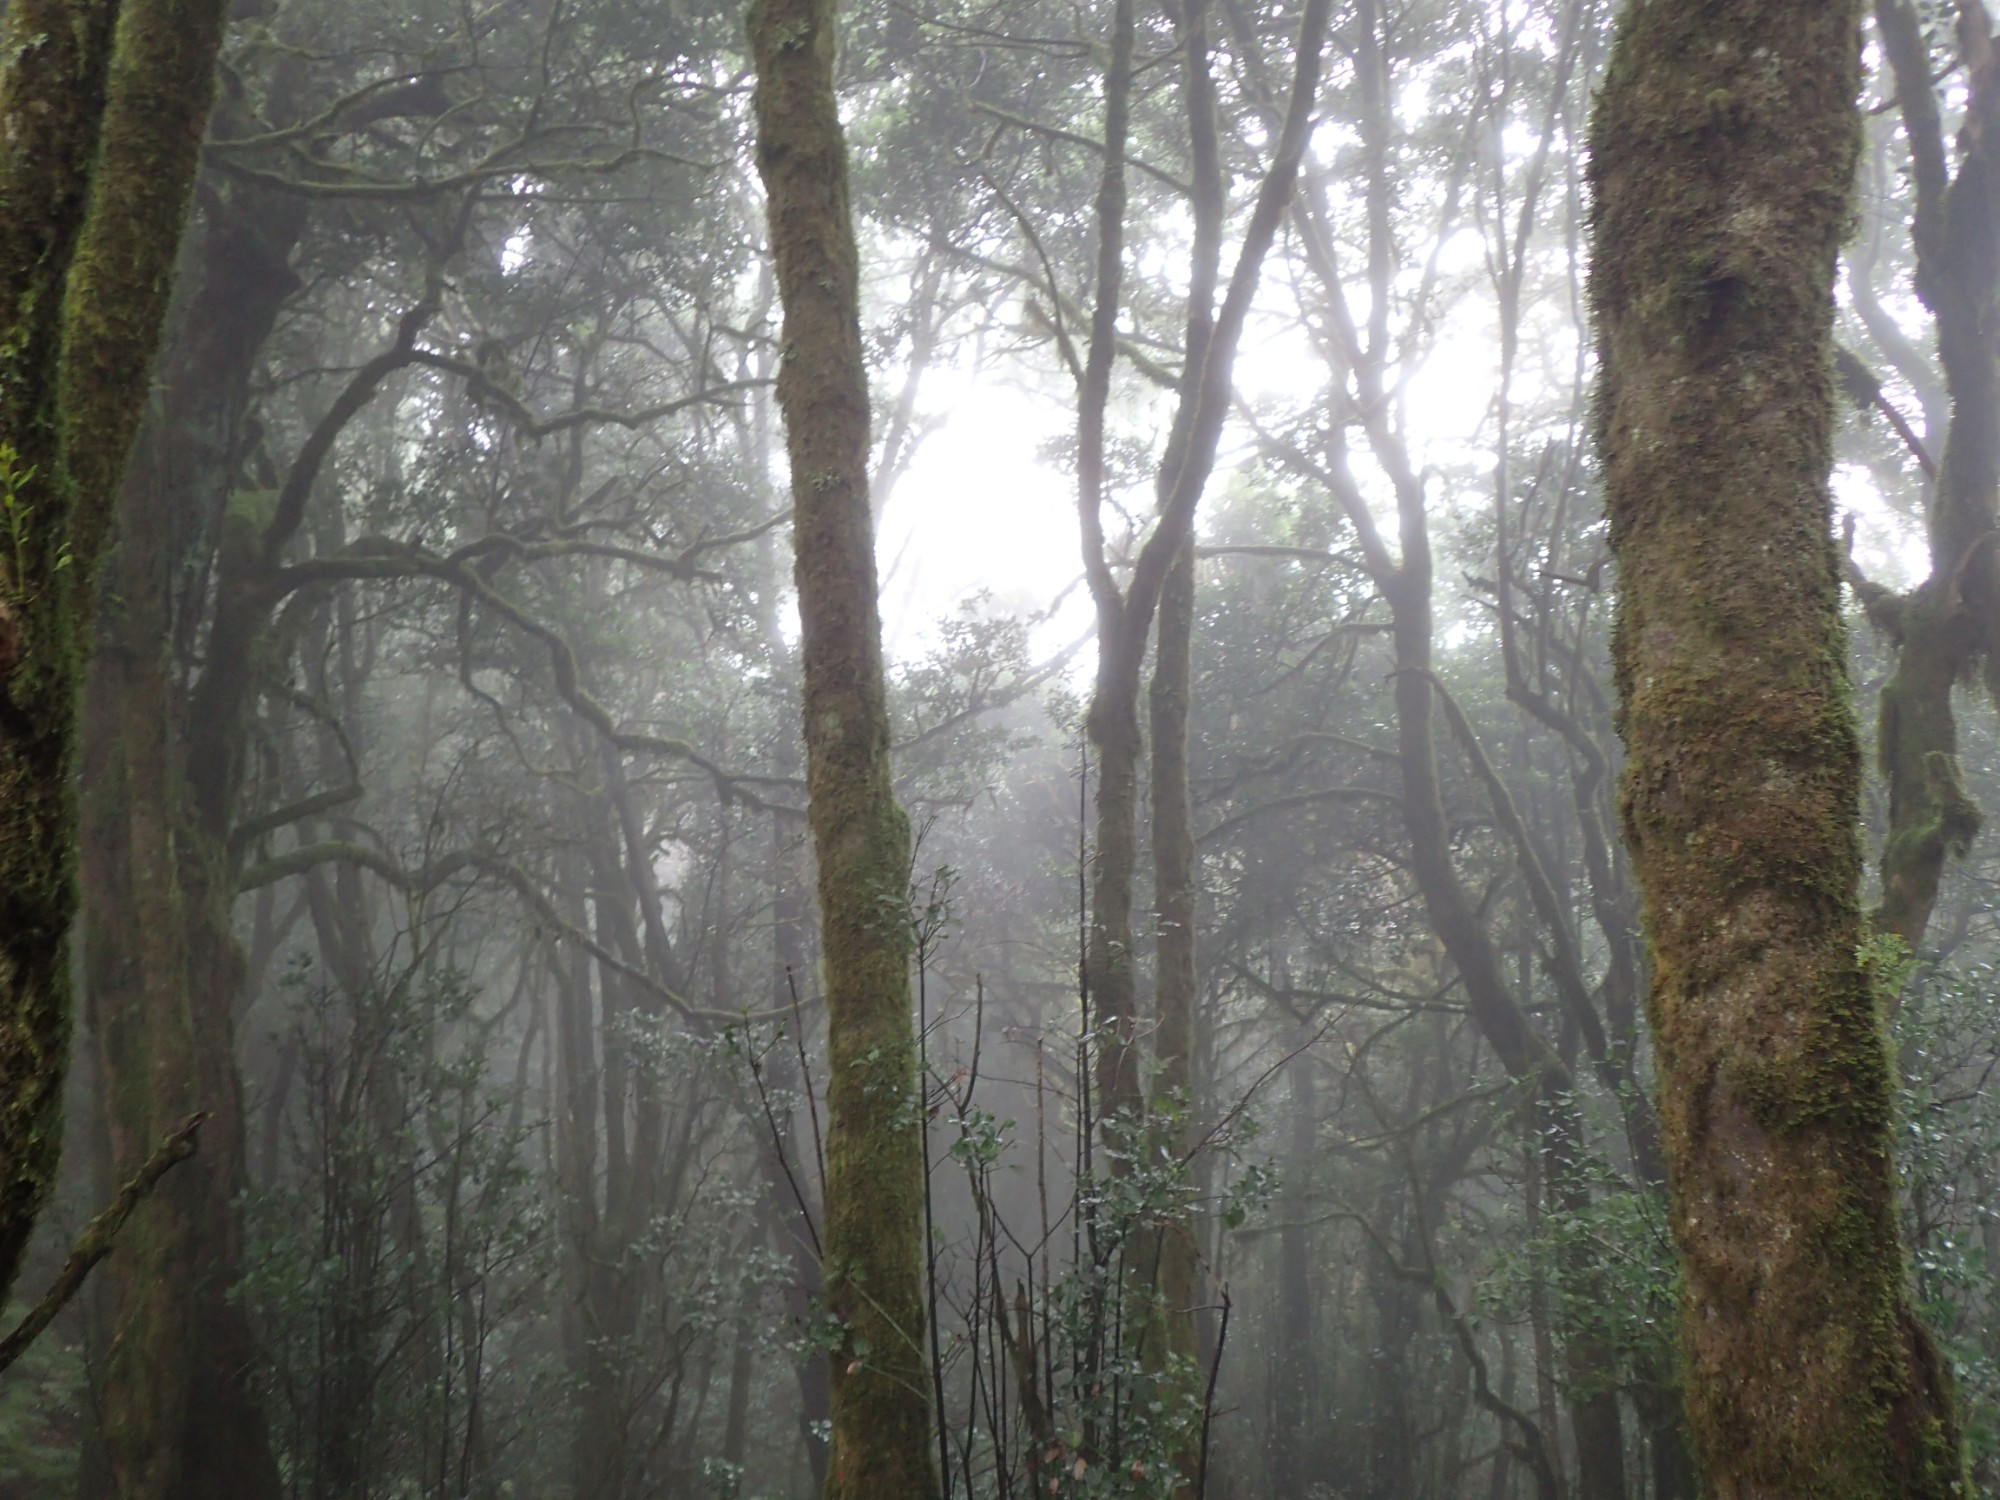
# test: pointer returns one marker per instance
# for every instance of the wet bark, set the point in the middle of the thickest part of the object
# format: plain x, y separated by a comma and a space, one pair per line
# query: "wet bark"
162, 972
103, 127
1723, 148
872, 1237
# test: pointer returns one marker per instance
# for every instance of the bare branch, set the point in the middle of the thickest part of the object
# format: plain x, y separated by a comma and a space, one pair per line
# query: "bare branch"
98, 1237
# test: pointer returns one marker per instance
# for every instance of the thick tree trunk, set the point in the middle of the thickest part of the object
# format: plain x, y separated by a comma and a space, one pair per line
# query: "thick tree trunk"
173, 1392
102, 131
873, 1237
162, 970
179, 1350
1723, 148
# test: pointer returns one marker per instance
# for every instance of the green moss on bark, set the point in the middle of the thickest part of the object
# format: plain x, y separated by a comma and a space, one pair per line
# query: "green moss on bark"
1723, 148
873, 1239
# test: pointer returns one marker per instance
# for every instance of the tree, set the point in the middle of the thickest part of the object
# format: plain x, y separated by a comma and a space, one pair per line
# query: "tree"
103, 107
1724, 143
873, 1241
1944, 630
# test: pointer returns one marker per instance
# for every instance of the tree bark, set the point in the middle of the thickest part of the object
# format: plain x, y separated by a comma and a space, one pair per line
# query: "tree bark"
163, 974
873, 1239
1723, 149
1169, 700
103, 108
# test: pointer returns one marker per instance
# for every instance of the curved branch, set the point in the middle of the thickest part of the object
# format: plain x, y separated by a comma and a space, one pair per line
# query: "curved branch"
384, 559
1300, 799
251, 829
422, 188
309, 857
533, 427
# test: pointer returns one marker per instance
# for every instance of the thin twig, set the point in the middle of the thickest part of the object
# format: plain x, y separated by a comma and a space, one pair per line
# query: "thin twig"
97, 1239
805, 1078
1208, 1398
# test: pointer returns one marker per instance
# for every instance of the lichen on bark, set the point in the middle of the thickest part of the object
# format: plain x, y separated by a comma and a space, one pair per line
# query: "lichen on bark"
1723, 148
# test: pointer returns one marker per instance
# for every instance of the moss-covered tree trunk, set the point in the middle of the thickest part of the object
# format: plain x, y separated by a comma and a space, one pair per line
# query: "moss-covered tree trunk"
873, 1238
1723, 148
102, 110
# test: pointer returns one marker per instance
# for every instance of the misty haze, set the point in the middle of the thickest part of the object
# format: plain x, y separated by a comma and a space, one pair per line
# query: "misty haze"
988, 749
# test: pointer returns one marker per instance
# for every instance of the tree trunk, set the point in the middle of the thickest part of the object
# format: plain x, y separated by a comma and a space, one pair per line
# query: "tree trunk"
1950, 624
162, 971
162, 968
1723, 148
873, 1239
1293, 1367
102, 130
1507, 1028
1169, 704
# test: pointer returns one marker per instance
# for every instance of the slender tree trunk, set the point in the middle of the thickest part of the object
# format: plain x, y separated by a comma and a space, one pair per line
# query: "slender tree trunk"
873, 1235
1293, 1367
1169, 701
1390, 1459
1169, 704
1949, 625
1177, 1292
1521, 1049
742, 1368
792, 1219
1723, 148
1406, 583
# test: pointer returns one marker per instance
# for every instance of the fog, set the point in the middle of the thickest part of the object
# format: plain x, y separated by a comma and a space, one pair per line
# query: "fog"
444, 835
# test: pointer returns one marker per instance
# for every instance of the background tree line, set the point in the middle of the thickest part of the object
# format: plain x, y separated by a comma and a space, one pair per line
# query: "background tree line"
1285, 1107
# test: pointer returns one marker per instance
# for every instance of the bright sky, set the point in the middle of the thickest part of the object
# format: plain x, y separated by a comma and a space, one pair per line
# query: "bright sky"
980, 512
